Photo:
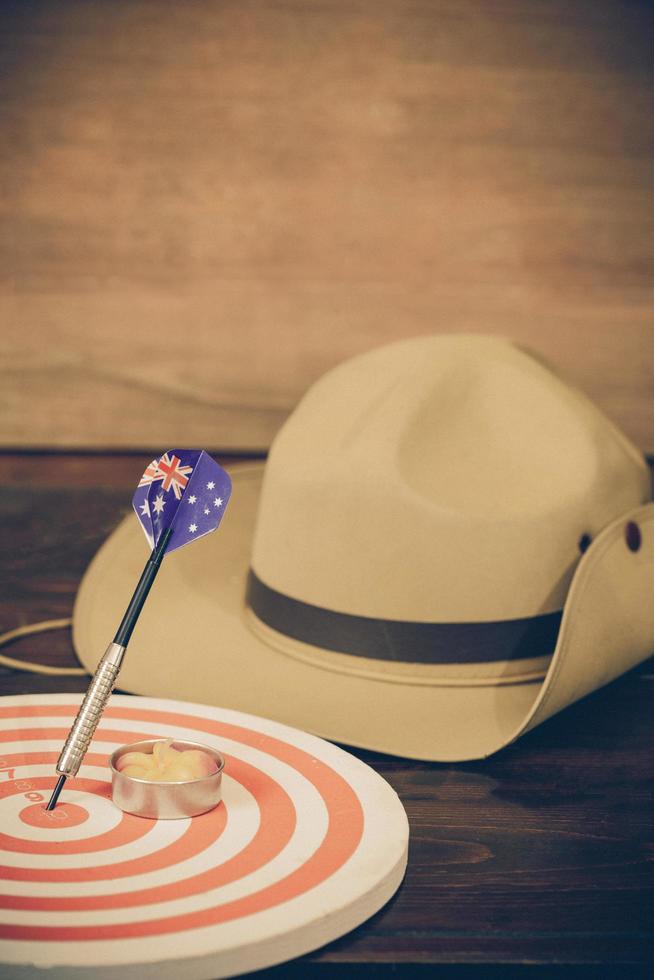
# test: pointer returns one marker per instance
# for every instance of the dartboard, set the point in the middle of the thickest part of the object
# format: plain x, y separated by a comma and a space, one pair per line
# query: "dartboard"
307, 843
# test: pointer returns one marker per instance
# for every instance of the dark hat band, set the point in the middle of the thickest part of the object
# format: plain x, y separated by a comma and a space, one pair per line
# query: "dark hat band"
396, 640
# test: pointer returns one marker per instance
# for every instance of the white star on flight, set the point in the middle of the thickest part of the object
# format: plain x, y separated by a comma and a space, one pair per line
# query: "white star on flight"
192, 499
159, 504
218, 502
144, 508
206, 510
210, 485
192, 528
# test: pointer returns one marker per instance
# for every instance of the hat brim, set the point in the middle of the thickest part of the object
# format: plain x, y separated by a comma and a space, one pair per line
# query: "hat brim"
192, 642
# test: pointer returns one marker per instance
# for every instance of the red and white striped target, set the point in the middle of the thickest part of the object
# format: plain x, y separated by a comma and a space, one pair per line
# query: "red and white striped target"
307, 843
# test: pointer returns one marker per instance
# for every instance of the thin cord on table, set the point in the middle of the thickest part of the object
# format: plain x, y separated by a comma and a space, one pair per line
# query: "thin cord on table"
48, 624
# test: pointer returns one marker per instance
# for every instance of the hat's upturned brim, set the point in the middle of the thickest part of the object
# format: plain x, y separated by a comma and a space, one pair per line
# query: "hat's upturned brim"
192, 642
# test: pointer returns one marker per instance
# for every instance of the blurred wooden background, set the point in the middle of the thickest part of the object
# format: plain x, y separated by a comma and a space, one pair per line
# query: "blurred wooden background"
205, 205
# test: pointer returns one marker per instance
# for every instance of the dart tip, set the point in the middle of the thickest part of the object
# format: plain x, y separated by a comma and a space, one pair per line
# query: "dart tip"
55, 793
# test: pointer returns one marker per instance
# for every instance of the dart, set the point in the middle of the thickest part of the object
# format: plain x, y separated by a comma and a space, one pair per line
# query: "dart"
181, 497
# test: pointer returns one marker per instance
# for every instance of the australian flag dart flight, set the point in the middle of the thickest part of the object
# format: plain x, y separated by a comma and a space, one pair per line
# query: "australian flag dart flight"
184, 489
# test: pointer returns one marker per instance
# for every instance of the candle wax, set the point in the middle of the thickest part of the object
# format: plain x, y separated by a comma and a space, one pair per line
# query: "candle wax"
166, 764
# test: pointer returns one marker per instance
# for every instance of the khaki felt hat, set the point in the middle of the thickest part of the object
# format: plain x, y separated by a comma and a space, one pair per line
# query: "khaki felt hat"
447, 545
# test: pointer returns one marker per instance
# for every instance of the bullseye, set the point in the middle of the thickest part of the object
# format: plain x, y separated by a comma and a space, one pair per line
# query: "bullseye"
263, 876
65, 815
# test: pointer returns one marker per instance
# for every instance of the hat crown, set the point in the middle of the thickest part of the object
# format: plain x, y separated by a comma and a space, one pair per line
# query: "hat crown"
440, 479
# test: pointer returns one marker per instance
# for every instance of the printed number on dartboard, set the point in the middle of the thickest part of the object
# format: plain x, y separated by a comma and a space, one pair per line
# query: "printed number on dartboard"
26, 788
6, 768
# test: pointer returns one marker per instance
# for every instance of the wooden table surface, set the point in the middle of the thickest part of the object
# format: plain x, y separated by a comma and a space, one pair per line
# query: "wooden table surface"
537, 861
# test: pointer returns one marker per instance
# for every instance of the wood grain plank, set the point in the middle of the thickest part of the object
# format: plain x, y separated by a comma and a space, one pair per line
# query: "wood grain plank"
205, 206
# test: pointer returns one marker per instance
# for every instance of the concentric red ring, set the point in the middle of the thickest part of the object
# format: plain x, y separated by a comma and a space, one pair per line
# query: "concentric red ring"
64, 815
129, 828
274, 832
343, 835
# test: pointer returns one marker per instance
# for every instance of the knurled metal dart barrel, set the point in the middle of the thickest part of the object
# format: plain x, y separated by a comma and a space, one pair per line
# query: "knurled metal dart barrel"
88, 716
